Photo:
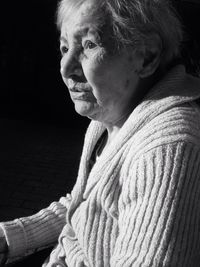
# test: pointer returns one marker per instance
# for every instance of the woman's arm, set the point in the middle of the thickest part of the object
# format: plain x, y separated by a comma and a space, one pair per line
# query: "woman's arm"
159, 212
26, 235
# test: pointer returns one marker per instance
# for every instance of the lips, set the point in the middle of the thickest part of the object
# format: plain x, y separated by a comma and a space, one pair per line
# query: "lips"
75, 86
82, 96
78, 89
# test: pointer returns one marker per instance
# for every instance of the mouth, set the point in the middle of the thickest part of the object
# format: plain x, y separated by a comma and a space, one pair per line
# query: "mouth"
78, 89
81, 94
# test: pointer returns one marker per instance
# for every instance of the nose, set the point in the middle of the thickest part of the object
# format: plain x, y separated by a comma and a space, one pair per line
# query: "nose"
70, 66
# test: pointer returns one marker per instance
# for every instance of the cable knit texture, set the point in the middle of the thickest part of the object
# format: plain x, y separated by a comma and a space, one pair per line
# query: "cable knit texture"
140, 204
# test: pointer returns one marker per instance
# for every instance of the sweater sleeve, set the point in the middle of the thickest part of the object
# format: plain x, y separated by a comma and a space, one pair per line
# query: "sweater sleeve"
26, 235
159, 213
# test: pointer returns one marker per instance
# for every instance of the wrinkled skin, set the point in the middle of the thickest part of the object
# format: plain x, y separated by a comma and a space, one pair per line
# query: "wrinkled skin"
101, 84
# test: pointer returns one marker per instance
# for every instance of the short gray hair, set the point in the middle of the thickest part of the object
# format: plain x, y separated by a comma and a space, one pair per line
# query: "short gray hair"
133, 21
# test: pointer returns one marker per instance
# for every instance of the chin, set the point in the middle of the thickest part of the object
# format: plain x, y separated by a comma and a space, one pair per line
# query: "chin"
86, 109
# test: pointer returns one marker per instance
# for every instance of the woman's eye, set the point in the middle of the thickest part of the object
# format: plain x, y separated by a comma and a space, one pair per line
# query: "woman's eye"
64, 50
89, 45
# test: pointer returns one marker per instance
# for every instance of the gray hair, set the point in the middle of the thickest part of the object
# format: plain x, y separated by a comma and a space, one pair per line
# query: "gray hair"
133, 22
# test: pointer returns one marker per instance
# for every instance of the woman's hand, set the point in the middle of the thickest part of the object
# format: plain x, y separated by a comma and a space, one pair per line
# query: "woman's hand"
3, 248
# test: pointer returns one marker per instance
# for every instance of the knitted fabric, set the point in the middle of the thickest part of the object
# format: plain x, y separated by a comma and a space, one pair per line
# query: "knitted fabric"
140, 204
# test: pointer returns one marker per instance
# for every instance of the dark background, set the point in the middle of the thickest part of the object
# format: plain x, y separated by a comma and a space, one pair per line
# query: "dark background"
41, 135
30, 82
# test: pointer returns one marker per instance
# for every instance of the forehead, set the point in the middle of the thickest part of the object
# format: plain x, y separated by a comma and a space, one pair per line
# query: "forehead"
86, 18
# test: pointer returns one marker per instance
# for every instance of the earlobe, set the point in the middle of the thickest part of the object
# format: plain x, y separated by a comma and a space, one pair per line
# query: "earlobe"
152, 51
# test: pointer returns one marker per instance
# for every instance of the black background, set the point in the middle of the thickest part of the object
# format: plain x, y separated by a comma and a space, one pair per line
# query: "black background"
30, 83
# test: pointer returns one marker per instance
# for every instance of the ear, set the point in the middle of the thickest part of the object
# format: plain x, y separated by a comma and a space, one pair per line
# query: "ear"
150, 52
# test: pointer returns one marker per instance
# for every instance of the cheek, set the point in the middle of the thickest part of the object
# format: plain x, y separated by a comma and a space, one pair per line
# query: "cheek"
95, 67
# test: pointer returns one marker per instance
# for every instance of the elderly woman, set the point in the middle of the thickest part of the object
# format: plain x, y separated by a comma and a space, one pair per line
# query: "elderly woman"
136, 201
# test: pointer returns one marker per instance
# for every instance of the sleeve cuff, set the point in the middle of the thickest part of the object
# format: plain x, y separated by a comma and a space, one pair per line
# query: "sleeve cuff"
15, 237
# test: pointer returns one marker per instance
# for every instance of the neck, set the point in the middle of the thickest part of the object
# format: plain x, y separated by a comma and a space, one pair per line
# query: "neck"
145, 85
114, 127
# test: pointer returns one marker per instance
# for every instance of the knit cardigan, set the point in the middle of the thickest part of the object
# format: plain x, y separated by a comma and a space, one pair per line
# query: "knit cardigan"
139, 206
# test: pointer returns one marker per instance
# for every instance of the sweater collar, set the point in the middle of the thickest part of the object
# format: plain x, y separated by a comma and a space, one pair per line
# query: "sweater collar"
177, 87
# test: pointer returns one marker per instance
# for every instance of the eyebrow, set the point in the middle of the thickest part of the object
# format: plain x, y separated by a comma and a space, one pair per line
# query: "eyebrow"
63, 39
80, 33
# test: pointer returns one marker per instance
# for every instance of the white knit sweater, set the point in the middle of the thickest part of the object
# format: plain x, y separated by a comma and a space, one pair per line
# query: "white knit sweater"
140, 204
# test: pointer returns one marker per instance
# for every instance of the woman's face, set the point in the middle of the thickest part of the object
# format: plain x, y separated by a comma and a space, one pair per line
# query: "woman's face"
101, 83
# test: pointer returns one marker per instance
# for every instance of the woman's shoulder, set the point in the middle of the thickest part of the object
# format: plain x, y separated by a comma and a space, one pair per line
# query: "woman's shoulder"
169, 113
178, 121
179, 124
